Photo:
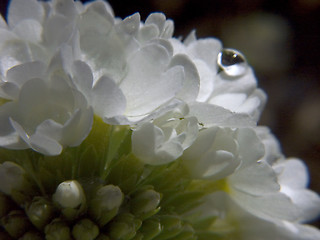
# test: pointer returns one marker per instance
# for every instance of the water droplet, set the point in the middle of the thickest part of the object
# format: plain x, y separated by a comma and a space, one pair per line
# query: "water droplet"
232, 62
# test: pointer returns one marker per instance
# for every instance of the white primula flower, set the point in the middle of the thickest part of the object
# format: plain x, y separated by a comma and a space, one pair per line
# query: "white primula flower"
146, 72
292, 176
164, 139
273, 194
46, 113
235, 222
235, 92
218, 152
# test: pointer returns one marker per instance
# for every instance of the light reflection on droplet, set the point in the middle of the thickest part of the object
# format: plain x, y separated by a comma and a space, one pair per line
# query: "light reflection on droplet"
232, 62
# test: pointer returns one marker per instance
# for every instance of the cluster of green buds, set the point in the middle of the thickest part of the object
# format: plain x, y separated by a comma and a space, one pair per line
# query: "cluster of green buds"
98, 190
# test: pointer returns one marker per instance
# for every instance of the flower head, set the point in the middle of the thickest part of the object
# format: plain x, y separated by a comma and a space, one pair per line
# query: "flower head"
113, 129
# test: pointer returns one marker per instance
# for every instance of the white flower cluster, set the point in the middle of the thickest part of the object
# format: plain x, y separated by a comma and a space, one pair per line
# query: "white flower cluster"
64, 62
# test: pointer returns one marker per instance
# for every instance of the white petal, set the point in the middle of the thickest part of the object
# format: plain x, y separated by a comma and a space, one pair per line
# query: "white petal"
65, 7
131, 24
29, 29
168, 29
148, 32
294, 174
107, 99
206, 50
149, 87
157, 19
306, 200
256, 179
190, 88
250, 148
82, 76
9, 90
268, 206
149, 144
229, 101
24, 72
24, 9
211, 115
45, 145
206, 80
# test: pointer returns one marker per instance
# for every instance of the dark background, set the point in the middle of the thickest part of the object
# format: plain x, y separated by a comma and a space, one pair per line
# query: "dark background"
281, 40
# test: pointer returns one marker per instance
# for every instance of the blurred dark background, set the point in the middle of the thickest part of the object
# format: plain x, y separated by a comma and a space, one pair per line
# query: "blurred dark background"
281, 40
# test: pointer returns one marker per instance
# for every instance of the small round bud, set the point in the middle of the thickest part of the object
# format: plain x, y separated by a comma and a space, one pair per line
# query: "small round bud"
40, 212
69, 194
70, 198
124, 227
105, 204
150, 228
57, 229
16, 223
85, 229
11, 177
145, 202
31, 235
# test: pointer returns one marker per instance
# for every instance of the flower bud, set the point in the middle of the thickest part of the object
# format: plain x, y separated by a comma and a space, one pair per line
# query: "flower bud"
13, 182
71, 199
31, 235
150, 228
187, 233
57, 229
172, 226
40, 212
124, 227
105, 204
145, 203
11, 176
85, 229
102, 237
16, 223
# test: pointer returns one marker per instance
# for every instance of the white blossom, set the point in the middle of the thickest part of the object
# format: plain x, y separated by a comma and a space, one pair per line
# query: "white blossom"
65, 66
46, 113
164, 139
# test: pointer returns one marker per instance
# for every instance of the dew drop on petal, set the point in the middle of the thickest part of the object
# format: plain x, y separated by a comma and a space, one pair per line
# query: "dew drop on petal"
232, 62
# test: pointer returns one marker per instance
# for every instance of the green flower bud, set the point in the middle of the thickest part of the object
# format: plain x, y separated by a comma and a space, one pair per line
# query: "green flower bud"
105, 204
11, 176
70, 198
145, 203
187, 233
13, 182
124, 227
16, 223
150, 228
85, 229
138, 236
57, 229
102, 237
31, 236
172, 226
40, 212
